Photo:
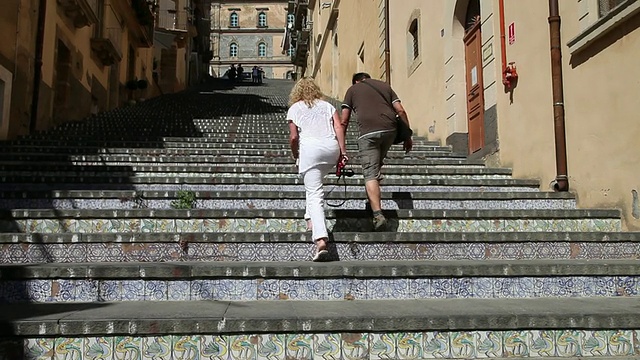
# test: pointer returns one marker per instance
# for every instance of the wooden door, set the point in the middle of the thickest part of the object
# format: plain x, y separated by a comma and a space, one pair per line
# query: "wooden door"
475, 89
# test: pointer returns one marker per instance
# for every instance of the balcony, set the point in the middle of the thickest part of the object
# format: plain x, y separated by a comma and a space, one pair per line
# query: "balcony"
172, 20
302, 37
107, 46
81, 12
146, 21
300, 12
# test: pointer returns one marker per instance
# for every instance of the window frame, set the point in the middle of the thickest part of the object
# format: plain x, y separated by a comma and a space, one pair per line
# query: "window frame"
262, 20
603, 25
262, 46
231, 49
414, 45
232, 16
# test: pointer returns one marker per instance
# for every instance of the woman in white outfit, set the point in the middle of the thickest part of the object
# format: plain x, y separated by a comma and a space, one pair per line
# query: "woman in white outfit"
317, 141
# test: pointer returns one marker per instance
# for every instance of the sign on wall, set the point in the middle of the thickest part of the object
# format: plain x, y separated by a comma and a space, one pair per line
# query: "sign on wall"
512, 33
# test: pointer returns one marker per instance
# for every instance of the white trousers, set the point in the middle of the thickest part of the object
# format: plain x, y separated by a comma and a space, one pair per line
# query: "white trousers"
315, 199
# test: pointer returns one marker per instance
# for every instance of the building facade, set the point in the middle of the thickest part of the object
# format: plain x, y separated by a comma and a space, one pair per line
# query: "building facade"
64, 60
480, 76
250, 33
181, 43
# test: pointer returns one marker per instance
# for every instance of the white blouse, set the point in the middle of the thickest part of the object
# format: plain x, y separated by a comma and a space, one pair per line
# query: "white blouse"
318, 143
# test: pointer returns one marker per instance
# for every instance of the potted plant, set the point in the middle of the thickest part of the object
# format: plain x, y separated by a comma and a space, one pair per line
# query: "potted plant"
132, 85
142, 85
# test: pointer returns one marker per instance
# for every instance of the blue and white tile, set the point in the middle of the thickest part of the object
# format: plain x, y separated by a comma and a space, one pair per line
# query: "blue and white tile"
203, 290
155, 290
63, 290
178, 290
133, 290
87, 290
110, 290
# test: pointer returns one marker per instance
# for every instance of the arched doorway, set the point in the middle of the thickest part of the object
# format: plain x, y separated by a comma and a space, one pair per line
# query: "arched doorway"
473, 78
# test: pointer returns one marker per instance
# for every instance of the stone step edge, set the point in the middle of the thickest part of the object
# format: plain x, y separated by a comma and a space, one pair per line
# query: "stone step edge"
17, 214
238, 180
301, 270
339, 237
251, 194
242, 317
230, 169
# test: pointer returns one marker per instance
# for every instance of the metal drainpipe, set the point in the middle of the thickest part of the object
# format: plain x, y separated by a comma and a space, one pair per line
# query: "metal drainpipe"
37, 71
562, 180
387, 41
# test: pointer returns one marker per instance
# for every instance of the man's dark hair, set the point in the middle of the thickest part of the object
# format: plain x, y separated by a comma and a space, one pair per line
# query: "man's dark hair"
359, 77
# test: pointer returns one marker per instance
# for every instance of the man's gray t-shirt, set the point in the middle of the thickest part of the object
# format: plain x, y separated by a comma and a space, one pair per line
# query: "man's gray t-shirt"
374, 113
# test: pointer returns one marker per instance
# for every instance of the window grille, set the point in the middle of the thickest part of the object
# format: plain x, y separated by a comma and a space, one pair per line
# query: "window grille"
262, 19
413, 31
233, 50
262, 49
234, 20
606, 6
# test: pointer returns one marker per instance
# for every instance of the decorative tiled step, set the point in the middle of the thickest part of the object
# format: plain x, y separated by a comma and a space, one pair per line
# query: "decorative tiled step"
255, 180
148, 220
78, 199
605, 344
275, 203
245, 317
272, 246
16, 169
170, 142
209, 160
212, 177
186, 186
281, 152
107, 148
242, 281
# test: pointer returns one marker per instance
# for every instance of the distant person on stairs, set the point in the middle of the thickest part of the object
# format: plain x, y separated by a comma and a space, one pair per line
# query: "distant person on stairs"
317, 141
376, 105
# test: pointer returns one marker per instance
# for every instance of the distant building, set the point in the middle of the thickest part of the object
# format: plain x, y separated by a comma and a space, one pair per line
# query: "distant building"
250, 33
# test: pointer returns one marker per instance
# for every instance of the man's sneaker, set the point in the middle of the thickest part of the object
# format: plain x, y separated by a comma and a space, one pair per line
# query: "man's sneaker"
379, 223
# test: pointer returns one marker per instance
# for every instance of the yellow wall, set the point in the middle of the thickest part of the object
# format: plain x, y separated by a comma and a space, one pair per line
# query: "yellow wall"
600, 88
333, 67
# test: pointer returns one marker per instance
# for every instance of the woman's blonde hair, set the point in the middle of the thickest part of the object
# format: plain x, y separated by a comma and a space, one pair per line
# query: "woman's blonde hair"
307, 90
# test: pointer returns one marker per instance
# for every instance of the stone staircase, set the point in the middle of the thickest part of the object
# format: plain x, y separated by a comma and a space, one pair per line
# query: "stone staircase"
98, 261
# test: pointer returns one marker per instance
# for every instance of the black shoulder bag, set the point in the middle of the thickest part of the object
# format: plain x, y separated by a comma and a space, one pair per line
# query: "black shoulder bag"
403, 131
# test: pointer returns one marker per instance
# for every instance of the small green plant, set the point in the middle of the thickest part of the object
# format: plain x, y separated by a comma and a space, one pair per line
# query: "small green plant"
186, 199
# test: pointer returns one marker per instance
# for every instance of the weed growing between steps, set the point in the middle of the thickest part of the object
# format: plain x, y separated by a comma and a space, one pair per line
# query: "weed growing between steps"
186, 199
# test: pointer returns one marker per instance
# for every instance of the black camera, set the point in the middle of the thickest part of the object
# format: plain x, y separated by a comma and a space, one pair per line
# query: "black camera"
341, 168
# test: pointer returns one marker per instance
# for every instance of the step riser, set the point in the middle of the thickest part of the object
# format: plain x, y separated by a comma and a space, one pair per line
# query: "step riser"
176, 175
187, 289
170, 148
297, 225
545, 344
240, 187
249, 203
301, 251
213, 152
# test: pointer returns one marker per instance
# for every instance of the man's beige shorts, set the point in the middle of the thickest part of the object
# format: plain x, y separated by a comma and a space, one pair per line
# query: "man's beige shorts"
373, 149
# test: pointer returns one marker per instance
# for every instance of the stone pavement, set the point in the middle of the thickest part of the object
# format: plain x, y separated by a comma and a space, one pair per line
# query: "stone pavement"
173, 230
